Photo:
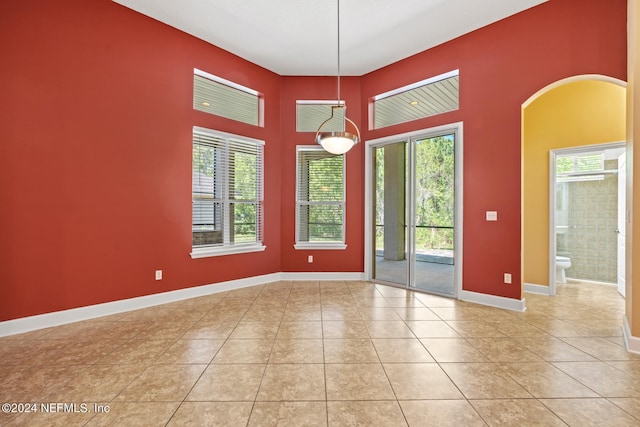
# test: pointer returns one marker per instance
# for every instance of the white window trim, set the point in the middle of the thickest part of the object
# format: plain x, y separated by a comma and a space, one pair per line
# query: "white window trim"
318, 102
225, 82
321, 245
240, 248
211, 251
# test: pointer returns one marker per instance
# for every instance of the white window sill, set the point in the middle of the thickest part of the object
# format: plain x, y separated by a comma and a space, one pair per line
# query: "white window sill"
226, 250
320, 245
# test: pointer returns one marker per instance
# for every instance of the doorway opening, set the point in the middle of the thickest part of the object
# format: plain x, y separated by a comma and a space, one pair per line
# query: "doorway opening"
414, 210
587, 215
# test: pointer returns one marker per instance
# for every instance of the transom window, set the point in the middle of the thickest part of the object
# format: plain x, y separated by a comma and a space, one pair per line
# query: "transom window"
311, 114
426, 98
215, 95
580, 167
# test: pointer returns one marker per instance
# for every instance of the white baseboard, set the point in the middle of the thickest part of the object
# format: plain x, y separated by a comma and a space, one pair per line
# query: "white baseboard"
632, 343
322, 276
532, 288
41, 321
493, 301
57, 318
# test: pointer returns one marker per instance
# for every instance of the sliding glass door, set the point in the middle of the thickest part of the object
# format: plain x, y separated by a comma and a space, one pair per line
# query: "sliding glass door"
414, 209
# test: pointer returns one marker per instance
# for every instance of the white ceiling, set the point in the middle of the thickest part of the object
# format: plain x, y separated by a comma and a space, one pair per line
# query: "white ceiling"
299, 37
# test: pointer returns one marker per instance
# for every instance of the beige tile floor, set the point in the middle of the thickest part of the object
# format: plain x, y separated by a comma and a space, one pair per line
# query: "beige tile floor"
332, 353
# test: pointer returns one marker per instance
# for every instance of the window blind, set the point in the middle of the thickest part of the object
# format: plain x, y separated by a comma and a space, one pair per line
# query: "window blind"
215, 95
436, 95
227, 184
311, 114
320, 196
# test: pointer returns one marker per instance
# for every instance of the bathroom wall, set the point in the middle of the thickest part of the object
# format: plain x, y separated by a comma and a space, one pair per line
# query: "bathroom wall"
592, 218
577, 113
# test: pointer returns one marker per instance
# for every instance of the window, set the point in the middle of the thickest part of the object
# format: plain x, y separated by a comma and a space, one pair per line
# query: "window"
320, 197
215, 95
580, 167
311, 114
425, 98
227, 188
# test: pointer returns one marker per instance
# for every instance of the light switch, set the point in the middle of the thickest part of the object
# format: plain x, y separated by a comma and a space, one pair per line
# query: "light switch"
492, 215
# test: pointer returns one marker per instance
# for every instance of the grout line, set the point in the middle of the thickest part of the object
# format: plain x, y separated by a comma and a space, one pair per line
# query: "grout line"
351, 304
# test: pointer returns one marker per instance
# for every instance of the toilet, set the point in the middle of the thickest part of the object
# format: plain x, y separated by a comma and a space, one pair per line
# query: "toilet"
562, 263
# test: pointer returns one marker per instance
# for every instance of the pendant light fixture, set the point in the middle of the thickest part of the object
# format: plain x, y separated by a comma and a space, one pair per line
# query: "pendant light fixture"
342, 141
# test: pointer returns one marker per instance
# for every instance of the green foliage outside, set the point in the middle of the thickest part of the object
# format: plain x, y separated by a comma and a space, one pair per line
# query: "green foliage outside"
434, 194
580, 163
564, 165
242, 189
325, 193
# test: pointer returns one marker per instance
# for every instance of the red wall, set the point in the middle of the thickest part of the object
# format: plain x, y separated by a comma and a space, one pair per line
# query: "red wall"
348, 260
95, 145
95, 156
501, 66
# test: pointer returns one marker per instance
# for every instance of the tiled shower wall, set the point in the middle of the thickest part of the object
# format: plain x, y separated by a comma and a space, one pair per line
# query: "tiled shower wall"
591, 240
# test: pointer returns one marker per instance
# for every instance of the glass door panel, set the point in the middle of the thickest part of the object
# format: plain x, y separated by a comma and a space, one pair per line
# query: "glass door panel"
390, 231
433, 214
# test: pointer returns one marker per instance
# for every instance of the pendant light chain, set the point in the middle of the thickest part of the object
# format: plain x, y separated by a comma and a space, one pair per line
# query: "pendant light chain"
338, 52
338, 142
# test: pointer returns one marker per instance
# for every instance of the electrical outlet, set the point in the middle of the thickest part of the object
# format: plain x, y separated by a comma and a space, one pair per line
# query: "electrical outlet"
158, 274
310, 259
507, 278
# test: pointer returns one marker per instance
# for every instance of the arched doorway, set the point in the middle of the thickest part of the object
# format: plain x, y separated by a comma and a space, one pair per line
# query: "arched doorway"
577, 111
